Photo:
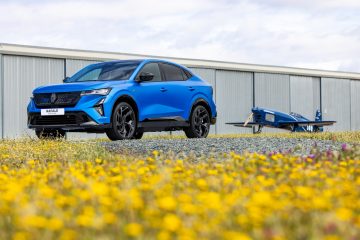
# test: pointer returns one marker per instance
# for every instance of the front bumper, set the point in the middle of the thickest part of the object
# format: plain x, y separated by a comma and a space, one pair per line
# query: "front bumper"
85, 104
70, 121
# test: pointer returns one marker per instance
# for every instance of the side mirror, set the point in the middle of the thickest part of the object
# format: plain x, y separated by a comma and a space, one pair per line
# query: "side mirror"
146, 76
66, 80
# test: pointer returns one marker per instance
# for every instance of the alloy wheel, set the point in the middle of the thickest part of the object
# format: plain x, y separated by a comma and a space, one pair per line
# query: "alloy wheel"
201, 120
125, 121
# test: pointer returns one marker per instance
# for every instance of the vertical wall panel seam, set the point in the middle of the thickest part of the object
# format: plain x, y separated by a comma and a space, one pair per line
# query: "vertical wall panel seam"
253, 89
321, 107
290, 110
215, 99
65, 72
253, 95
350, 104
2, 93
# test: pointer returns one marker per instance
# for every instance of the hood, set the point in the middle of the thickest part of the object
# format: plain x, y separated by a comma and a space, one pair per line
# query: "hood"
73, 87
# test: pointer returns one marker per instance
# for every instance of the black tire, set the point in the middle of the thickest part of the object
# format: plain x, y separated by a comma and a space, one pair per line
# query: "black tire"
199, 123
123, 122
316, 129
50, 133
138, 135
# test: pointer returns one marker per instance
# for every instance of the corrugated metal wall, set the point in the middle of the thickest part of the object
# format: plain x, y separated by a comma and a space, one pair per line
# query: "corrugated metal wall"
234, 91
335, 99
305, 95
74, 65
272, 91
355, 105
209, 76
21, 76
1, 94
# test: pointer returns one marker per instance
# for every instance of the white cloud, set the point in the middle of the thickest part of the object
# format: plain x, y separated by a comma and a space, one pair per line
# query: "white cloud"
316, 34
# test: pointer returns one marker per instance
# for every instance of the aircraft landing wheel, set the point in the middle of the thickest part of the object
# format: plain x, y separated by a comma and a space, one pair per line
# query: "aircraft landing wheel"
259, 129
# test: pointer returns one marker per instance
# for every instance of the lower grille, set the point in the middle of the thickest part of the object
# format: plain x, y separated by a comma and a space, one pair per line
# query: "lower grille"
67, 119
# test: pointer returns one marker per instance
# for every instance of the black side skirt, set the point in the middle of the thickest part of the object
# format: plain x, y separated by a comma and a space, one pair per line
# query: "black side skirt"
155, 126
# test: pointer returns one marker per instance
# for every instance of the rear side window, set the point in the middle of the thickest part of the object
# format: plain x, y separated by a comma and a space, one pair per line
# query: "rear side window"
154, 69
173, 73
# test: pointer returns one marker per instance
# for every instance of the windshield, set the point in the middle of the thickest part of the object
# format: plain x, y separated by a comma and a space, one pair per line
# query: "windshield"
106, 72
296, 115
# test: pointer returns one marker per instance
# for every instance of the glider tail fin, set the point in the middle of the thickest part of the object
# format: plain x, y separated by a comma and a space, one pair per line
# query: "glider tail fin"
318, 116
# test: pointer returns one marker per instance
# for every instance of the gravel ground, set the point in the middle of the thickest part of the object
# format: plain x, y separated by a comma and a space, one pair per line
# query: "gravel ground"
221, 145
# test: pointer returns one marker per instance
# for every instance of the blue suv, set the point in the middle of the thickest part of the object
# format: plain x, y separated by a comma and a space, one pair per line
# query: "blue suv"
124, 99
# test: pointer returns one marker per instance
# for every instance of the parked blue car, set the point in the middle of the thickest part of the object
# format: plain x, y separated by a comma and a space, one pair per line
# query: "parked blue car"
124, 99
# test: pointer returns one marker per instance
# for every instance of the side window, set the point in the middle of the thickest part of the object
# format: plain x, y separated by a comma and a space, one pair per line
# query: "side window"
154, 69
172, 73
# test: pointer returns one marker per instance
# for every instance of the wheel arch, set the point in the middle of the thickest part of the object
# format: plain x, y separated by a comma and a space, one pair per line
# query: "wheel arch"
201, 101
128, 99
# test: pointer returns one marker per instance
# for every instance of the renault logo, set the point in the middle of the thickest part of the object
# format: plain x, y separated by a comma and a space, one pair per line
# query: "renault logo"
53, 98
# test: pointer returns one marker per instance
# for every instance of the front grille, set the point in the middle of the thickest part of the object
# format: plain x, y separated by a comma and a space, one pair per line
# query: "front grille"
49, 100
74, 118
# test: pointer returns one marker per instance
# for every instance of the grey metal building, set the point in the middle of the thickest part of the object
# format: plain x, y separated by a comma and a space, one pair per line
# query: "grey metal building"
238, 87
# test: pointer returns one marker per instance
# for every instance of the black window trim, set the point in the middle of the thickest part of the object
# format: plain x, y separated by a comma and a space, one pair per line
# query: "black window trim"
183, 72
187, 73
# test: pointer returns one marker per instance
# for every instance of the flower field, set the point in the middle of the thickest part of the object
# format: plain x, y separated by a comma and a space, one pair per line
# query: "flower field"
78, 190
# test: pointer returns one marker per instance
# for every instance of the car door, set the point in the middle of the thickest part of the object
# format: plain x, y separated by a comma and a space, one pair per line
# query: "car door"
179, 90
151, 96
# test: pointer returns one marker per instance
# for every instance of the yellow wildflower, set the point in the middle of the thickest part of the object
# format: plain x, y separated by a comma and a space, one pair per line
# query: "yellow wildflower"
171, 222
133, 229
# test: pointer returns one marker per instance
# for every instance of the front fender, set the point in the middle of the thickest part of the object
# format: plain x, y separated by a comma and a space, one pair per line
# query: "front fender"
109, 104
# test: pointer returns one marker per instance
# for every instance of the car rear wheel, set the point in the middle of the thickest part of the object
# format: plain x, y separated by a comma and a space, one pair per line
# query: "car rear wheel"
123, 122
50, 133
199, 123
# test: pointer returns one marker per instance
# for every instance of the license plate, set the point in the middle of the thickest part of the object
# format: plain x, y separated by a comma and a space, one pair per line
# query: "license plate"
52, 111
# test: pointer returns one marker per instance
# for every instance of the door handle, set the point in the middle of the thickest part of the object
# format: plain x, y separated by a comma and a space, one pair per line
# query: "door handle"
163, 89
191, 88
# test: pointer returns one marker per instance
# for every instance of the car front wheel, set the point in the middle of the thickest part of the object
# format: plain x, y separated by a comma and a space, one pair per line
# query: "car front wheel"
199, 123
123, 122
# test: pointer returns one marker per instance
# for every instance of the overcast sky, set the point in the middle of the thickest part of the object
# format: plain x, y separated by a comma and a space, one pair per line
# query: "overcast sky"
322, 34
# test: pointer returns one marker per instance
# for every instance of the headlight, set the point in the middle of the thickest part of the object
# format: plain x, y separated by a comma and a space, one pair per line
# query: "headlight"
103, 91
